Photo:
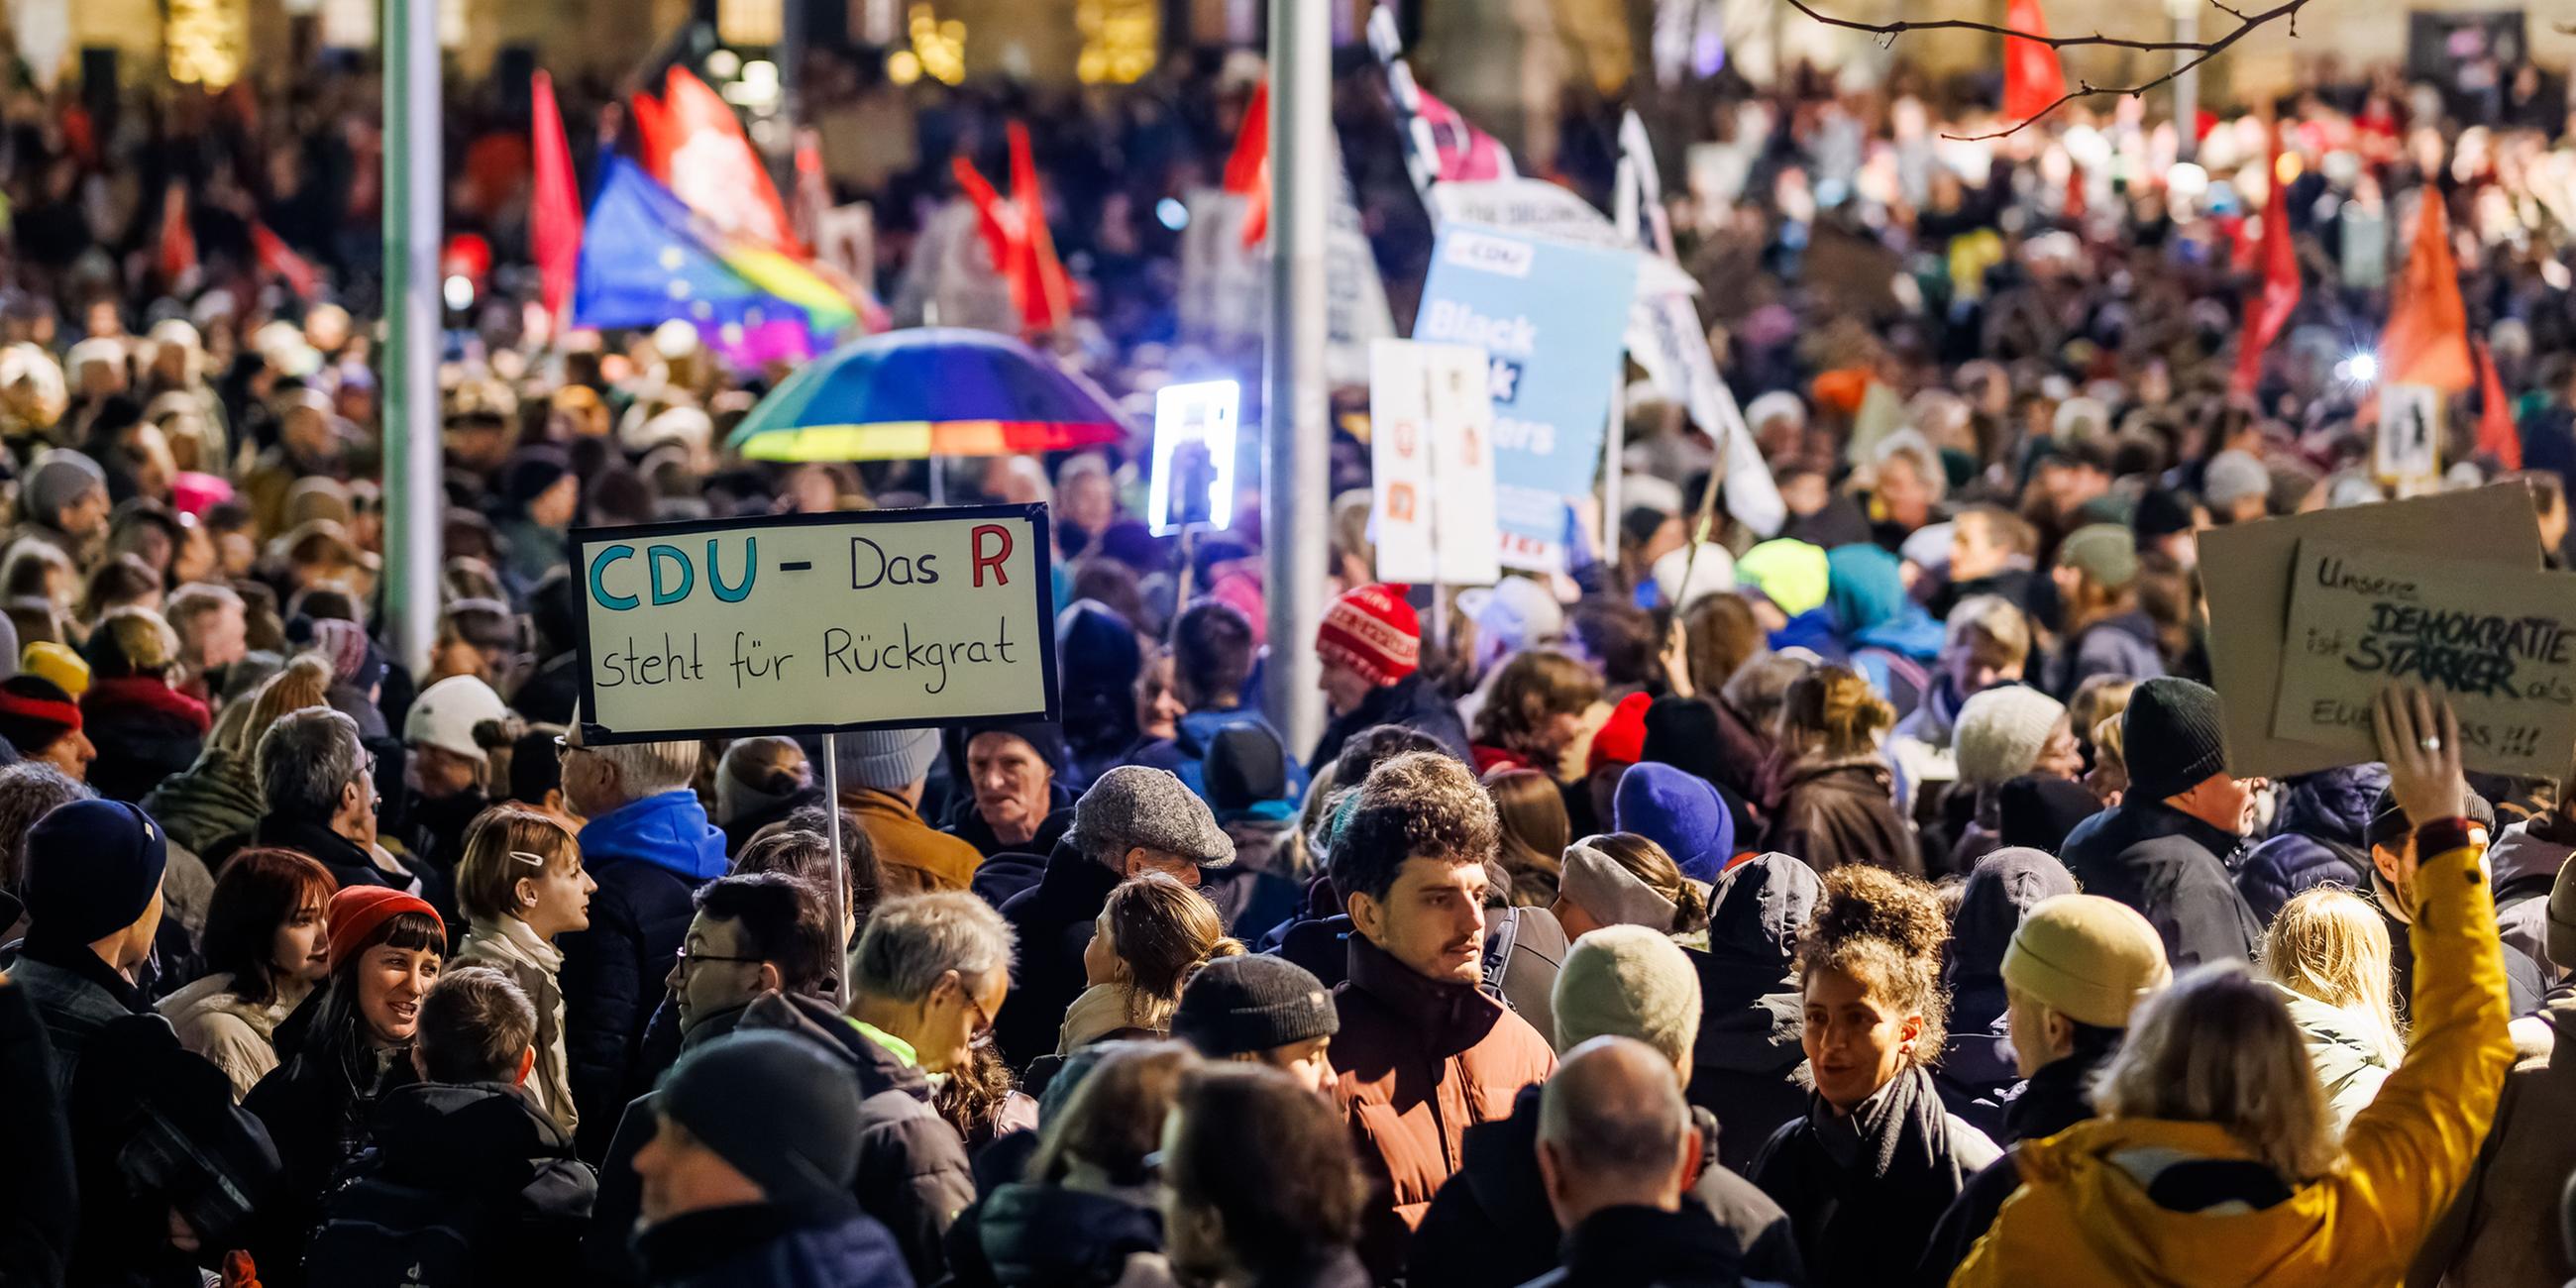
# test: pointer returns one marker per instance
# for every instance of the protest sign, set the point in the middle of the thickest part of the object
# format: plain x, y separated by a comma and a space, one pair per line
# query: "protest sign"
1431, 450
2246, 571
1193, 479
2501, 644
1550, 317
816, 623
2409, 450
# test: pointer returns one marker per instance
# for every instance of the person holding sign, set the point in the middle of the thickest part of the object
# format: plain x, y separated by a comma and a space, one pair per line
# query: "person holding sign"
2213, 1160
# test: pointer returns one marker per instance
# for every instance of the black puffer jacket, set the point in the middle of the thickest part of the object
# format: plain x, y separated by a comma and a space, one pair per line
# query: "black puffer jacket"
1745, 1064
1977, 1068
483, 1142
1053, 921
1490, 1226
1047, 1236
2173, 870
912, 1166
2317, 838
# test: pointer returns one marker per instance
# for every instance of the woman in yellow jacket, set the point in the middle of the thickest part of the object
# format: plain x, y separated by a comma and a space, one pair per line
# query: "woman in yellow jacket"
2213, 1163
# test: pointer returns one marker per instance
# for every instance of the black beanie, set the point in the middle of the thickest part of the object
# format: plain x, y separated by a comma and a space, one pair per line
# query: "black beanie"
779, 1109
92, 868
530, 471
2171, 739
2389, 825
2039, 812
1244, 1005
1246, 768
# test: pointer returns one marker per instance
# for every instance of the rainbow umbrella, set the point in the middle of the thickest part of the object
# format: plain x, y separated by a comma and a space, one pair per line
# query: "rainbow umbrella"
927, 391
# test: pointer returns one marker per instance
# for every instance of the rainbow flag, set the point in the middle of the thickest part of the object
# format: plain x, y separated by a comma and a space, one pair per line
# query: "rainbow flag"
647, 260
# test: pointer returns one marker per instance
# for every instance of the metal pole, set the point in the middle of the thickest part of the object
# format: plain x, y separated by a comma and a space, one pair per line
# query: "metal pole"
413, 186
2186, 87
840, 869
1614, 449
1294, 509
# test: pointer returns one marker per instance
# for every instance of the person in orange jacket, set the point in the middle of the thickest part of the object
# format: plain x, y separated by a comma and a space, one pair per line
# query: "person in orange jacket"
2213, 1163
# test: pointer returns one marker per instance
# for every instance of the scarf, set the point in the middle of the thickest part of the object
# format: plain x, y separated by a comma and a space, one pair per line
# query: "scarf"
1100, 1011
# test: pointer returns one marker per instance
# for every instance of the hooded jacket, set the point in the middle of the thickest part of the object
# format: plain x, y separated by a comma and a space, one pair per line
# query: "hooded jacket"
1491, 1225
1842, 812
649, 857
2171, 868
2350, 1063
913, 1175
1977, 1070
1744, 1065
1411, 702
2085, 1213
2526, 858
211, 807
2317, 839
1185, 753
1865, 1190
2054, 1099
1050, 1236
2490, 1235
1053, 921
2122, 644
1416, 1063
485, 1143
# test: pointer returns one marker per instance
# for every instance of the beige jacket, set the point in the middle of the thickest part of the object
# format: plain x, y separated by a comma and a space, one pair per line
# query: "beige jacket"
510, 947
233, 1035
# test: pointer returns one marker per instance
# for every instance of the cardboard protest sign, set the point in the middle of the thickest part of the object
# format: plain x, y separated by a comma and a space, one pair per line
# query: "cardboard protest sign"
1550, 316
816, 623
1193, 478
2501, 644
1432, 459
2246, 571
2407, 455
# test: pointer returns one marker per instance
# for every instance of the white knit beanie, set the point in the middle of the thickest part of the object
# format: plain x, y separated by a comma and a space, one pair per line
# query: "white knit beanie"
1999, 733
1630, 982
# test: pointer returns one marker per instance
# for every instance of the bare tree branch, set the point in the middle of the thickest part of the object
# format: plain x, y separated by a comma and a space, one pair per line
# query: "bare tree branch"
2199, 51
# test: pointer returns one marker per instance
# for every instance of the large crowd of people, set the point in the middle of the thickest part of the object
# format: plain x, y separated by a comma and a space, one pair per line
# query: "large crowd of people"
1871, 901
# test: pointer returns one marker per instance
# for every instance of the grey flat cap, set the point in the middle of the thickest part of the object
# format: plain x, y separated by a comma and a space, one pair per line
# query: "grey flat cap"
1132, 805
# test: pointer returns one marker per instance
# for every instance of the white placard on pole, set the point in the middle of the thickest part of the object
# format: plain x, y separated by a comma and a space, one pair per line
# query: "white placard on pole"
1431, 447
2408, 457
1193, 479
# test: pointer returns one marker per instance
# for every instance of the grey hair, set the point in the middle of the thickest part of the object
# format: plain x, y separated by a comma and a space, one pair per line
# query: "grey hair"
650, 768
305, 759
29, 790
192, 603
911, 942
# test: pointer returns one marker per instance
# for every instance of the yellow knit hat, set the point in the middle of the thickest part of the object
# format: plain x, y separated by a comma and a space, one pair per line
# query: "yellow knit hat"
48, 660
2088, 958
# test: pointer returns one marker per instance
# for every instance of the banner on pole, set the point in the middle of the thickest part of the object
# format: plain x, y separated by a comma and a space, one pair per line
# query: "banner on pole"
2409, 452
1432, 461
816, 623
1550, 317
1193, 478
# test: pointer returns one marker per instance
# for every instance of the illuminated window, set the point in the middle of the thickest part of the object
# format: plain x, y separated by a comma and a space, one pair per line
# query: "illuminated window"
939, 46
206, 39
1119, 38
750, 22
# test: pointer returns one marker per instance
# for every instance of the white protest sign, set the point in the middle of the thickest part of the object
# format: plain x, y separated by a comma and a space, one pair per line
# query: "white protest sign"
1193, 479
816, 623
845, 237
2409, 451
1431, 447
2500, 642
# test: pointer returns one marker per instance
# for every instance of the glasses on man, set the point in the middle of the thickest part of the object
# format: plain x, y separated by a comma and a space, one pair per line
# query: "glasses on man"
689, 959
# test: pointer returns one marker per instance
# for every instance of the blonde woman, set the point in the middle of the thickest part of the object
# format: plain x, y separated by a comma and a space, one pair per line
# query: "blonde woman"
2213, 1161
2328, 953
521, 884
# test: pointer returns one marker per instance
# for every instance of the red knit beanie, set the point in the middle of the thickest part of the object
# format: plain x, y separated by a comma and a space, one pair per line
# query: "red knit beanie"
1622, 741
1372, 631
356, 911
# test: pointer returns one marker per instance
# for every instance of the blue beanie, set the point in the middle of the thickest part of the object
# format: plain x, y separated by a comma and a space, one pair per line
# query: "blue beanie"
92, 868
1680, 812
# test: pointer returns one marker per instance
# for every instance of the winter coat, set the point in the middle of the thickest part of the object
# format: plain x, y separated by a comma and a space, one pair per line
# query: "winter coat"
321, 1114
2349, 1061
2082, 1216
1053, 922
485, 1142
1490, 1225
2493, 1233
514, 949
2054, 1099
1643, 1247
1744, 1064
2317, 839
146, 731
1411, 702
2124, 645
608, 1250
2171, 868
39, 1213
1843, 812
152, 1130
2526, 864
969, 826
351, 866
767, 1246
1416, 1063
913, 1175
1051, 1236
1864, 1190
912, 856
1185, 753
1977, 1070
433, 831
234, 1035
211, 807
649, 858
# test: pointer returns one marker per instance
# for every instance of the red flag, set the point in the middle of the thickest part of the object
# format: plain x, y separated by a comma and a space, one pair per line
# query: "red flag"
177, 257
1049, 299
554, 216
281, 261
993, 219
654, 136
2427, 340
2496, 434
712, 166
813, 198
2033, 78
1247, 169
2267, 314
